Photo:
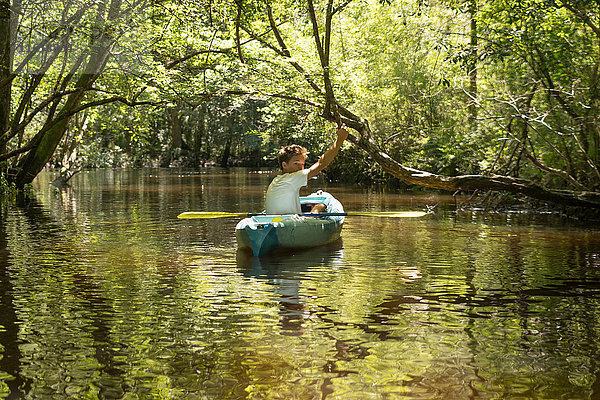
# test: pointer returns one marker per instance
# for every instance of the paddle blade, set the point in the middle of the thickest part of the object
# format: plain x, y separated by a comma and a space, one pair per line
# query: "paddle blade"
209, 215
392, 214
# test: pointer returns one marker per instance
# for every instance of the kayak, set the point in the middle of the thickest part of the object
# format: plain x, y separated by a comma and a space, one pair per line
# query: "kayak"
264, 234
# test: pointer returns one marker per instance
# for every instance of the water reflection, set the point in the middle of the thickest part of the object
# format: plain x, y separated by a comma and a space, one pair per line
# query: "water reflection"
105, 294
285, 272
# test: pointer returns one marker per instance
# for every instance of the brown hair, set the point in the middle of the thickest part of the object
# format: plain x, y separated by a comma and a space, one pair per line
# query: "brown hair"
287, 152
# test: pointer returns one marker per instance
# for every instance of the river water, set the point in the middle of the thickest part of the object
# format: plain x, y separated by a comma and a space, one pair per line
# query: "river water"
106, 294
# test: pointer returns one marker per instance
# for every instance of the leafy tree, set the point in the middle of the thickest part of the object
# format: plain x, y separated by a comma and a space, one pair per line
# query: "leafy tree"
497, 95
547, 91
321, 75
57, 52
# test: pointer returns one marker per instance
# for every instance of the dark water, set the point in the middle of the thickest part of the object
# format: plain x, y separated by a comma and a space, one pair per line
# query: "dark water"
105, 294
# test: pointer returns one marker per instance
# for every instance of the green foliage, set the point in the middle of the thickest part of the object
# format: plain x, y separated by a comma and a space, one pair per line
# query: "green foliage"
214, 90
6, 188
405, 91
539, 69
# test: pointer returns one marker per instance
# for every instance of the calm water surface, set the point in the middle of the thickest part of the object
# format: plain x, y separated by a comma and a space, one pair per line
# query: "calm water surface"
105, 294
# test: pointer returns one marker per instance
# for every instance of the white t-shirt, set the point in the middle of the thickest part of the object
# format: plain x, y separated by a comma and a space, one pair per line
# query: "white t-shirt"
283, 194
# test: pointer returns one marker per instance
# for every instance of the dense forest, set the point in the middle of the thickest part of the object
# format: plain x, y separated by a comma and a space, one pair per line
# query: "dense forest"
500, 95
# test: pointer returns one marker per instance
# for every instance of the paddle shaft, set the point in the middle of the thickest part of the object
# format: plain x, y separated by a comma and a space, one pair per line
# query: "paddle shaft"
325, 214
217, 214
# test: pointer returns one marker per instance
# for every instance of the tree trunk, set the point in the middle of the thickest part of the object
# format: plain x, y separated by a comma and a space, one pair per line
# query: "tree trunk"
226, 153
366, 141
5, 67
176, 140
39, 156
198, 135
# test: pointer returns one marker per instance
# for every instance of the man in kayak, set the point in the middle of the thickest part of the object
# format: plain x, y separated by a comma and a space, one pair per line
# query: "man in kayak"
283, 194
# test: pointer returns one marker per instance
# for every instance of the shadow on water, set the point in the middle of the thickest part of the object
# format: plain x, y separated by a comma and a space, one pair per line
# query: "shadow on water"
9, 325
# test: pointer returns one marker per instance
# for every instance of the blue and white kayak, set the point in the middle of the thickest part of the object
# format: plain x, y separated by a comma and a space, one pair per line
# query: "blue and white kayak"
266, 233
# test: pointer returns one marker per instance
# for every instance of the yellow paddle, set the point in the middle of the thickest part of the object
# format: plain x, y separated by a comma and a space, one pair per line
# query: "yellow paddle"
393, 214
209, 215
220, 214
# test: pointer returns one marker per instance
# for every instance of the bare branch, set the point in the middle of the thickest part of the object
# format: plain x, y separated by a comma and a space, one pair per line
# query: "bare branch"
49, 125
283, 51
316, 35
172, 64
582, 16
341, 7
275, 95
323, 51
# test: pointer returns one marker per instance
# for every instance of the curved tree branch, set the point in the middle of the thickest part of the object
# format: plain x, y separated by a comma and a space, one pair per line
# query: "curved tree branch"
470, 182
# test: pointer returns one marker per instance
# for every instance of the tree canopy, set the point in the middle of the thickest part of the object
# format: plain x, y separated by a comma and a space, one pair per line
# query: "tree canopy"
449, 94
